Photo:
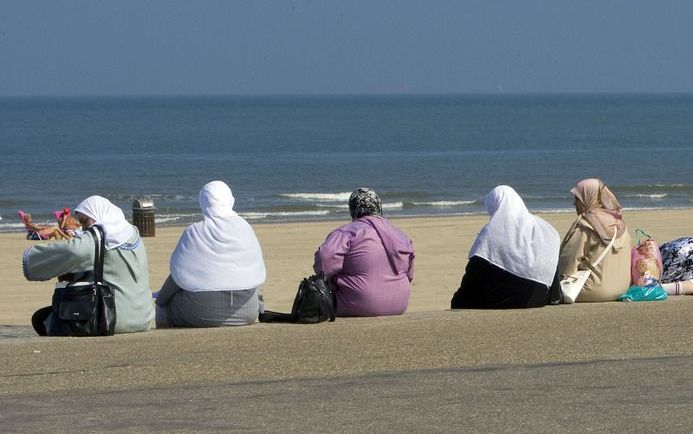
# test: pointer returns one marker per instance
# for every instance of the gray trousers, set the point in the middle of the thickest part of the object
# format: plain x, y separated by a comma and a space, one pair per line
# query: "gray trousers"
180, 308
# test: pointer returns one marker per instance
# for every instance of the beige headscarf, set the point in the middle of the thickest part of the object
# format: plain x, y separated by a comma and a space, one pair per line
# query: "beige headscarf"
598, 205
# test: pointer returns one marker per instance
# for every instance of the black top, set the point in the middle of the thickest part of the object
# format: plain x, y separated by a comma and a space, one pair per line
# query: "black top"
487, 286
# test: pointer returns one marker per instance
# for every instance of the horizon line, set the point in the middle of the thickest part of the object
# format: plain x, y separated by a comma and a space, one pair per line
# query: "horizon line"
341, 94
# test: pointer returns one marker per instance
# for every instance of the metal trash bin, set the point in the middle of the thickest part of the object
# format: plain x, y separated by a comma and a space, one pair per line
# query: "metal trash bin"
143, 216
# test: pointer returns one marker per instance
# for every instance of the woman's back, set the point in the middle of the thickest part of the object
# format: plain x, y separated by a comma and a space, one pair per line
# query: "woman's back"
370, 279
512, 263
611, 277
599, 220
125, 263
125, 269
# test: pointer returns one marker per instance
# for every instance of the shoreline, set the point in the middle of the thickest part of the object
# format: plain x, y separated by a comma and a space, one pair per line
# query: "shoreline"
166, 221
441, 243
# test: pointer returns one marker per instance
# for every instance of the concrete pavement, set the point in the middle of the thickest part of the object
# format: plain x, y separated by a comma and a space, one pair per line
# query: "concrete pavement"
610, 367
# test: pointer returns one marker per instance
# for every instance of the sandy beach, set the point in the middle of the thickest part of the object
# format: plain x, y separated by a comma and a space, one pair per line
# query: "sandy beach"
441, 246
429, 370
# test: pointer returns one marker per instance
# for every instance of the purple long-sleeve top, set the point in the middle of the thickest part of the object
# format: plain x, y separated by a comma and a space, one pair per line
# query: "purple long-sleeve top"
371, 265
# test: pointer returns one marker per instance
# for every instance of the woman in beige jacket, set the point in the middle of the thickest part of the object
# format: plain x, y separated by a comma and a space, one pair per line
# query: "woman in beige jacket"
599, 215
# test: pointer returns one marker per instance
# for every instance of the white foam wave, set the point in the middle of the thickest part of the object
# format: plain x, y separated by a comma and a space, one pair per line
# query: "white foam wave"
649, 196
157, 197
445, 203
6, 226
172, 197
262, 215
344, 206
553, 210
393, 205
649, 208
323, 197
164, 218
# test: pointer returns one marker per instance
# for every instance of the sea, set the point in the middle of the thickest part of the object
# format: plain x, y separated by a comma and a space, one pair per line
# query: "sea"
297, 158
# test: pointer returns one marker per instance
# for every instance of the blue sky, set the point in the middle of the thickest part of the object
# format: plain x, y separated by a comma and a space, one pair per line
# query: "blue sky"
344, 47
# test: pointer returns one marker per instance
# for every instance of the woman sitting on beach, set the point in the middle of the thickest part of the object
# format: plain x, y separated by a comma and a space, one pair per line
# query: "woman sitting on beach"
216, 268
599, 215
124, 267
512, 263
369, 261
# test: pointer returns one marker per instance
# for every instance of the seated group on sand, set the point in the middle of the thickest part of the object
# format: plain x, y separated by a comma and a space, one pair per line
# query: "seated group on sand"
217, 268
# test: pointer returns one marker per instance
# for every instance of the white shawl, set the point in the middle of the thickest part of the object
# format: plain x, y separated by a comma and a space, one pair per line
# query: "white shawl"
220, 253
109, 218
515, 240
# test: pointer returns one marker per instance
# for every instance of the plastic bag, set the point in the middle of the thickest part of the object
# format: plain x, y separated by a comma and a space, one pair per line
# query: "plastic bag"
645, 261
651, 292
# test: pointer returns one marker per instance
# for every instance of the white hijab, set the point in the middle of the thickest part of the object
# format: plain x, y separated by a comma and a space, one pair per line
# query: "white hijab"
117, 231
515, 240
220, 253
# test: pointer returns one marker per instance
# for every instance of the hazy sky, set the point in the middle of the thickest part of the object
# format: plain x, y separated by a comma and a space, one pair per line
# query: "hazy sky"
327, 46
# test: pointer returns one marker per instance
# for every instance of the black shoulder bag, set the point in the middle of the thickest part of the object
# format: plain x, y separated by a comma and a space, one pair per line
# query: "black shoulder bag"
314, 303
85, 309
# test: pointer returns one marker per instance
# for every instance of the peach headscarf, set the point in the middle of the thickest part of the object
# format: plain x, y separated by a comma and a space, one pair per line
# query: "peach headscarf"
598, 205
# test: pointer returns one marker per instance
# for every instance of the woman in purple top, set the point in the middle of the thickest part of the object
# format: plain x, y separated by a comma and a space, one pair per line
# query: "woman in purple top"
369, 261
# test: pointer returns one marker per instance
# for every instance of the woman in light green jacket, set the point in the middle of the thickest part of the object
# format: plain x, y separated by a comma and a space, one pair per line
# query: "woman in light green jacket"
125, 265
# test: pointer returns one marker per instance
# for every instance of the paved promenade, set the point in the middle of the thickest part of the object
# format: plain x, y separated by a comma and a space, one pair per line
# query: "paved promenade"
609, 367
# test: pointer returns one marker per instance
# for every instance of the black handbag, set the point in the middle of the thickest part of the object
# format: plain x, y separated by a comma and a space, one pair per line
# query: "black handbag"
83, 308
314, 303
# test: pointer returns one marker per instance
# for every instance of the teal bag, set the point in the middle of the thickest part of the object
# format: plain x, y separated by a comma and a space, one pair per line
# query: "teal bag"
651, 292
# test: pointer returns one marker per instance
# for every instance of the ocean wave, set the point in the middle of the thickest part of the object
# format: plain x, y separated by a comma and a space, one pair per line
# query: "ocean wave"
625, 208
155, 197
173, 197
654, 188
534, 197
284, 214
393, 205
648, 196
323, 197
334, 206
168, 218
553, 210
11, 226
444, 203
299, 207
653, 208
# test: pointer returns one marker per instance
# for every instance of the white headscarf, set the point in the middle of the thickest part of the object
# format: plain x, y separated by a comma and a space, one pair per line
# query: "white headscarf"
109, 218
220, 253
515, 240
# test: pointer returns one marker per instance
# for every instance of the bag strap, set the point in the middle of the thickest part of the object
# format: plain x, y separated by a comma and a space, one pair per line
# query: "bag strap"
608, 247
99, 253
642, 233
270, 316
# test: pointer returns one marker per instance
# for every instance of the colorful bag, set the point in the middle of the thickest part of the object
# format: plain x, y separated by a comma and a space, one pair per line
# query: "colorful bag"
645, 261
652, 292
